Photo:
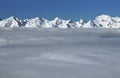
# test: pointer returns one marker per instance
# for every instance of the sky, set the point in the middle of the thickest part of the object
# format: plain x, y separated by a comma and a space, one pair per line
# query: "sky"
65, 9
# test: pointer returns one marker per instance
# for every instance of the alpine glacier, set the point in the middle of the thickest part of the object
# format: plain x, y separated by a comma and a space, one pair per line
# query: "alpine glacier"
102, 21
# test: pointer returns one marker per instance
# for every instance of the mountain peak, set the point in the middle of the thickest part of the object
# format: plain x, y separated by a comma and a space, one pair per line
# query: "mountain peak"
103, 17
10, 22
57, 18
12, 18
57, 21
36, 18
81, 21
102, 21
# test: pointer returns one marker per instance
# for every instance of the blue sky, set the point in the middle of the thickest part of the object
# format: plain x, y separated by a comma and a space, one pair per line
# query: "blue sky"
66, 9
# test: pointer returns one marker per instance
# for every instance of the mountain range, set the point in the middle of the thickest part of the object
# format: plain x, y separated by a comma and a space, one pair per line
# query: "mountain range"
102, 21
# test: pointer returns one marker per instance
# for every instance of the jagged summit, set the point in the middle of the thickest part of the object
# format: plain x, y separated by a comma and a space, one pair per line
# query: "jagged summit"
10, 22
102, 21
107, 21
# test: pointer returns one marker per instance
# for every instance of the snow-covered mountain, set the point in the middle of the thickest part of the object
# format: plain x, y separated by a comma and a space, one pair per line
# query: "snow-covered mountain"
11, 22
102, 21
107, 22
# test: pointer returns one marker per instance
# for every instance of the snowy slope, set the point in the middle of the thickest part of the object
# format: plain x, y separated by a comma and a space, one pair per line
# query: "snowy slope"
107, 21
102, 21
11, 22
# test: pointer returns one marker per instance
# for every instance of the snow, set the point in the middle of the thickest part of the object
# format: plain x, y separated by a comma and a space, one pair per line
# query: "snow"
107, 22
59, 53
80, 23
35, 22
10, 22
102, 21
